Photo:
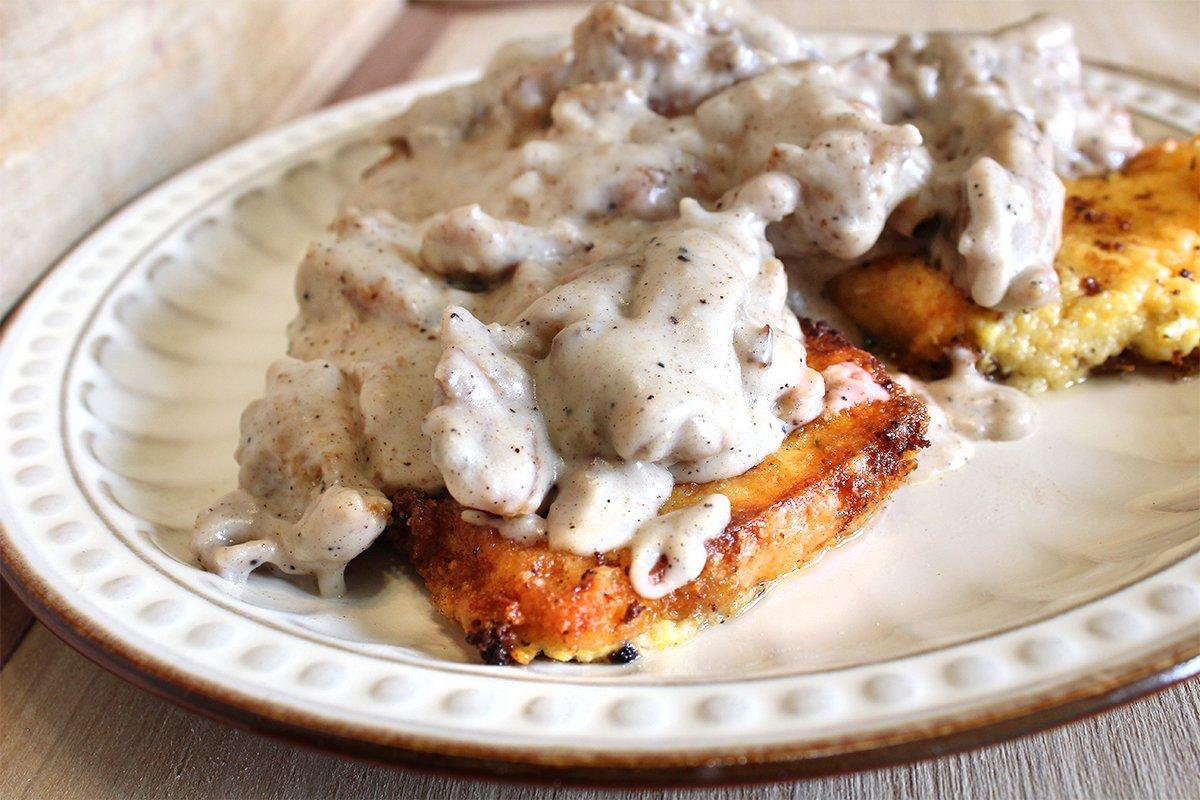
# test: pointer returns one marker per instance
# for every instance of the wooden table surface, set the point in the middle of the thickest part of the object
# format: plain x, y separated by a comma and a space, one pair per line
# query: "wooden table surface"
68, 729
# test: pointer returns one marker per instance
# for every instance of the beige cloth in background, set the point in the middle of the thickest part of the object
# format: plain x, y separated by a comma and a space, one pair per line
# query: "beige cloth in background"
100, 100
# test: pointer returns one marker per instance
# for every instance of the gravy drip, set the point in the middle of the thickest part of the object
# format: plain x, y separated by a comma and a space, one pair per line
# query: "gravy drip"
306, 504
981, 409
965, 408
559, 294
948, 449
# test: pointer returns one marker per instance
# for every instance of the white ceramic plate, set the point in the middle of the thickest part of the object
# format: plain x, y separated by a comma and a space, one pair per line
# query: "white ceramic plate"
1048, 579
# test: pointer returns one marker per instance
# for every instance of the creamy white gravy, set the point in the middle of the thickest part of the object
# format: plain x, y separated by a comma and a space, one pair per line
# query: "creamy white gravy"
847, 384
523, 528
948, 449
668, 551
306, 504
965, 408
979, 408
560, 294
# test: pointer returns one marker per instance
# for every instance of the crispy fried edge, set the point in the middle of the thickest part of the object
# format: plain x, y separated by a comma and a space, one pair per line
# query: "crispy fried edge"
515, 601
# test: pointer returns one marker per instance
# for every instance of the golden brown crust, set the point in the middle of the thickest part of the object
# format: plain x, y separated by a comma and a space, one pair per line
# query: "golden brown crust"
819, 487
910, 310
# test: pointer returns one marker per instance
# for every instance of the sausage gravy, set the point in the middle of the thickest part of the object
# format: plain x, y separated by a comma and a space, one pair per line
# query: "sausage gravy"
562, 291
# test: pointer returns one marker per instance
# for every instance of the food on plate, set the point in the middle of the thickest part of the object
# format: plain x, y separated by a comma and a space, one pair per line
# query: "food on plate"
552, 343
515, 599
1129, 268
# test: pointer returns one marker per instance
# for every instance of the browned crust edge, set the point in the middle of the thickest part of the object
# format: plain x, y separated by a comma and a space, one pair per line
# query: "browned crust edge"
1179, 367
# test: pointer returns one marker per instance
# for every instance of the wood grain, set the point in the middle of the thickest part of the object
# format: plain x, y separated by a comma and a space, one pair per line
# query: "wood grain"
68, 729
71, 730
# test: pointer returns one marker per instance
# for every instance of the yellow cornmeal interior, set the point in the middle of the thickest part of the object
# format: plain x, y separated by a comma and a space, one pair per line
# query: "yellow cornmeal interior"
1135, 234
662, 634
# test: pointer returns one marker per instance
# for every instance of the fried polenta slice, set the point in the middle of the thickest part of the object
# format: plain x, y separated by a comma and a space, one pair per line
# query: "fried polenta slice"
1128, 265
515, 601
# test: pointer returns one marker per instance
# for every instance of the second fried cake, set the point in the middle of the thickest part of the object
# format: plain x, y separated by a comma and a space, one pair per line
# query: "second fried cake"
1129, 267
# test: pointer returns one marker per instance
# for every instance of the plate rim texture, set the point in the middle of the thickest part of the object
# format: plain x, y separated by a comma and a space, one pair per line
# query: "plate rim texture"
1159, 671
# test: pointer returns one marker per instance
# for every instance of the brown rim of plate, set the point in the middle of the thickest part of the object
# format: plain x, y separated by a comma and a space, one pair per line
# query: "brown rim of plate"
1115, 686
893, 746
